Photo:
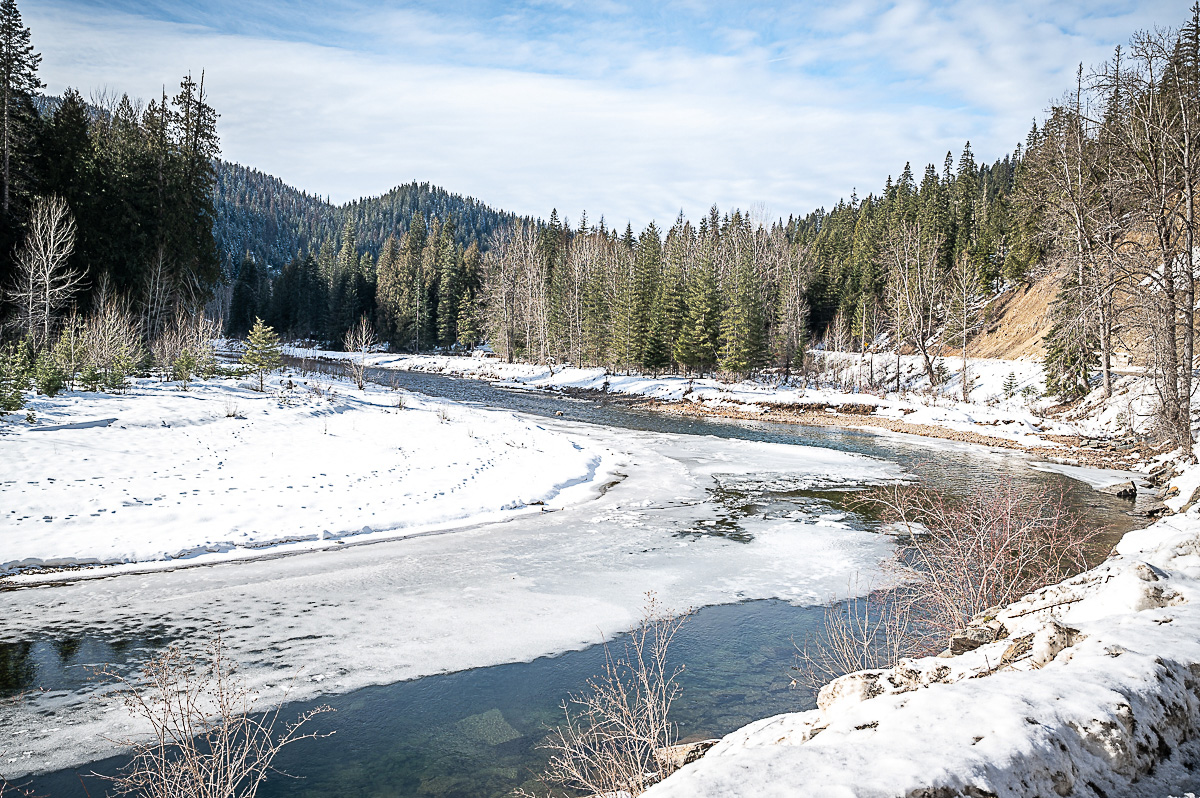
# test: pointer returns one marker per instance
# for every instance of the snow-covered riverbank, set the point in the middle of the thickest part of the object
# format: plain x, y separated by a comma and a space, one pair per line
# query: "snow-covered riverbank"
1090, 687
163, 476
991, 412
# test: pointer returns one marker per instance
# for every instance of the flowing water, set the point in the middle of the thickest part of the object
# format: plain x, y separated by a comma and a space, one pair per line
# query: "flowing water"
475, 732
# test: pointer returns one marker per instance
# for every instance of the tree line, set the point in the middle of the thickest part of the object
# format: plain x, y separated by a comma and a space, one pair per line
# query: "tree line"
1112, 182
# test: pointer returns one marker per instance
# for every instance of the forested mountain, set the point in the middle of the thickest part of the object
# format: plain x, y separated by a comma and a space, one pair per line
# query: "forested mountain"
260, 215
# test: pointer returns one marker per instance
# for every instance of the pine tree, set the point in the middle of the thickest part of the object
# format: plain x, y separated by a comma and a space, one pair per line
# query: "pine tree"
263, 353
742, 333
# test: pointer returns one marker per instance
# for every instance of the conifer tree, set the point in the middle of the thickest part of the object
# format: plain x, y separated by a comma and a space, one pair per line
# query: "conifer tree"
18, 83
263, 353
696, 347
742, 333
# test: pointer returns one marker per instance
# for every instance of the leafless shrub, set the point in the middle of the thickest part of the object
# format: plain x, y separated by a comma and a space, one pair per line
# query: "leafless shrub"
961, 558
111, 342
863, 630
359, 340
205, 743
232, 410
1003, 541
616, 733
184, 347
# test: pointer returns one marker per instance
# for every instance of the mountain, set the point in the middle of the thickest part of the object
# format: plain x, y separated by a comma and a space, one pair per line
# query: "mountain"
272, 221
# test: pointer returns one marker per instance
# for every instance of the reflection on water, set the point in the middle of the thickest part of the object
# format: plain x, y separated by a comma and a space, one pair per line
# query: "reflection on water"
475, 733
68, 663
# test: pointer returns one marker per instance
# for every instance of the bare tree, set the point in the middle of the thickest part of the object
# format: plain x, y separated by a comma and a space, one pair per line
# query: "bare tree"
963, 316
205, 740
359, 339
915, 289
44, 284
617, 735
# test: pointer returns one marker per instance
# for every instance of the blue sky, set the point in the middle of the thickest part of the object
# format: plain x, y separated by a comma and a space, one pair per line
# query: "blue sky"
631, 110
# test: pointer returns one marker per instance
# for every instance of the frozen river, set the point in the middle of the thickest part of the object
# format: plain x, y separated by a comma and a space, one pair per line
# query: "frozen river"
748, 520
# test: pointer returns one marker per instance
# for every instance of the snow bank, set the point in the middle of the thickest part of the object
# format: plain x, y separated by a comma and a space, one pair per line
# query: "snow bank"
989, 413
221, 471
1091, 687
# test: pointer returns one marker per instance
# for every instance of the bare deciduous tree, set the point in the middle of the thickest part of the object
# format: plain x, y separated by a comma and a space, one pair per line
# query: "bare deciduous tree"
359, 339
44, 284
915, 289
206, 740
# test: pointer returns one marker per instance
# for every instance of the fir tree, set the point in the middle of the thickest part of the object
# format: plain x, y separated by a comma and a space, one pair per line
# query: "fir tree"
263, 353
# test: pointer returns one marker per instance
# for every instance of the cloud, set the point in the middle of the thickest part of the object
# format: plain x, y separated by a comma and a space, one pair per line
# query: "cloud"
633, 114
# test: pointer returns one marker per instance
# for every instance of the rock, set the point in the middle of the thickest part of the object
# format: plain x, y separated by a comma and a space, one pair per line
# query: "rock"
1049, 641
1122, 490
974, 636
676, 756
853, 688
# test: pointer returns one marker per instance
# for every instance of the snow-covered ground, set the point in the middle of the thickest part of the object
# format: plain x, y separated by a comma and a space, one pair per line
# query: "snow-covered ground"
1091, 687
222, 471
348, 616
991, 411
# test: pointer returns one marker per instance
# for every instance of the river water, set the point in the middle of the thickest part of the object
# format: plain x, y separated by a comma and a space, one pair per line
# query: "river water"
472, 731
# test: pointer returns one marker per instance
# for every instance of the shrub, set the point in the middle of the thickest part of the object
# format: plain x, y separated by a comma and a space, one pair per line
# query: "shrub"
205, 740
616, 735
14, 379
961, 558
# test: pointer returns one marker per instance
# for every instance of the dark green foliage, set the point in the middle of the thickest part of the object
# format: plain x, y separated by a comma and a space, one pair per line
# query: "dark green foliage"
14, 377
263, 353
49, 376
1071, 347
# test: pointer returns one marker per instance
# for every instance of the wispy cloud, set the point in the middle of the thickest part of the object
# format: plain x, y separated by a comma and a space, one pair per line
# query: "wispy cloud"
631, 110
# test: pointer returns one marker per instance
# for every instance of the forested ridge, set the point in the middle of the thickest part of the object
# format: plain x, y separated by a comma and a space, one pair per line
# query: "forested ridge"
262, 216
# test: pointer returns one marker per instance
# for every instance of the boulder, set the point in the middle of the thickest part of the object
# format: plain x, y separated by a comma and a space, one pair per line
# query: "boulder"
1122, 490
676, 756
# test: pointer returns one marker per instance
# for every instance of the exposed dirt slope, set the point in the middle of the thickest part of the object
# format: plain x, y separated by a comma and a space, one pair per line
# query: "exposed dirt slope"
1017, 321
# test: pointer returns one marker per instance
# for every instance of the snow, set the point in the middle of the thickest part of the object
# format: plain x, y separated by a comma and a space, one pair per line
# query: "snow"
989, 413
475, 594
160, 474
1096, 477
1092, 689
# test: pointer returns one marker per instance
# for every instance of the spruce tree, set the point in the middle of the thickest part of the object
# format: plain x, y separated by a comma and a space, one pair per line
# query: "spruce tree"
696, 347
263, 353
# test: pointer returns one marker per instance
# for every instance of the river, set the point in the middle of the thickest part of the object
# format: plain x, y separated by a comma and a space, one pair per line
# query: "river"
474, 731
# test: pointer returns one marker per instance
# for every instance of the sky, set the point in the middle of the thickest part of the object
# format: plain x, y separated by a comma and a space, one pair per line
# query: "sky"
629, 110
